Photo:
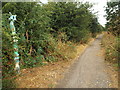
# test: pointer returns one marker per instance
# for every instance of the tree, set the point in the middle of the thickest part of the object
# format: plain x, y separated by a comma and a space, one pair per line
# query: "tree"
75, 19
32, 26
113, 17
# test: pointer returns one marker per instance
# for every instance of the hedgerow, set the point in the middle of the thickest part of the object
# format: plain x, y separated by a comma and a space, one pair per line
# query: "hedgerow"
41, 28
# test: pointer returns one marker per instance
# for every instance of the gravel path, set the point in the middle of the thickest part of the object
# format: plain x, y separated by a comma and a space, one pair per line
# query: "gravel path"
88, 71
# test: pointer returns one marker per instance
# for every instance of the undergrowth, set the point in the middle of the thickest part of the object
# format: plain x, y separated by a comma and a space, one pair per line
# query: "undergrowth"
46, 33
111, 44
9, 83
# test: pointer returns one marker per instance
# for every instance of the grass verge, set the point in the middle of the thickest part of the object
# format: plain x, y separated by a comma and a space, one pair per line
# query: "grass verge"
110, 44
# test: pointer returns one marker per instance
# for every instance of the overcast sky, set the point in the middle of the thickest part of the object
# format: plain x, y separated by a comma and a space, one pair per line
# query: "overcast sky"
99, 6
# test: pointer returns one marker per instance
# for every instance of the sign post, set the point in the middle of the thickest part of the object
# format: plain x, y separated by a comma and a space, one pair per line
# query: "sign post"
15, 41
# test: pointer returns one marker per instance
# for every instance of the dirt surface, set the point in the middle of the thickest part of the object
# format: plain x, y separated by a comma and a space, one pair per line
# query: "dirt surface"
89, 71
47, 76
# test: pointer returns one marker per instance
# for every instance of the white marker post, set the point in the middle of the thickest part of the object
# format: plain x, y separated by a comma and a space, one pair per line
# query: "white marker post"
15, 40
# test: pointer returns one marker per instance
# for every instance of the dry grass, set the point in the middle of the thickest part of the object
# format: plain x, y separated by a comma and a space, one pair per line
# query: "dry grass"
109, 42
68, 50
48, 75
72, 50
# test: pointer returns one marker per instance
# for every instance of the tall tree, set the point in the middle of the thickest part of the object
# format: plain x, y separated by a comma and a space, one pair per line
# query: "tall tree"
113, 17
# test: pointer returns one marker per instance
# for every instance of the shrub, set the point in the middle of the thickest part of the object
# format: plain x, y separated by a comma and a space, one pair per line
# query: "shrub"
46, 32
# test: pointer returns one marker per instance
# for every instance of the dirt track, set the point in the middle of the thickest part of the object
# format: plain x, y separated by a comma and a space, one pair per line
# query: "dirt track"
88, 71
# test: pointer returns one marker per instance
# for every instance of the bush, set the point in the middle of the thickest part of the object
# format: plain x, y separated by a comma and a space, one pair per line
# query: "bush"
46, 32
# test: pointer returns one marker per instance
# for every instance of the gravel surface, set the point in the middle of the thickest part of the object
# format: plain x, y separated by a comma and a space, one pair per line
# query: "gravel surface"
88, 71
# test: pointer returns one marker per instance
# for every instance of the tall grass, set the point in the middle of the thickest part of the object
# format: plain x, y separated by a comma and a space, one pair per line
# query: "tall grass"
110, 44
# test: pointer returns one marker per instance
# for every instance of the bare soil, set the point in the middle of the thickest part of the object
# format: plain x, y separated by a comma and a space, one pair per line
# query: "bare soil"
47, 76
87, 70
90, 70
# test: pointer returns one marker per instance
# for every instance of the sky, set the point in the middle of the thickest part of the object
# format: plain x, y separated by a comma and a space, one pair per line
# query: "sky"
98, 7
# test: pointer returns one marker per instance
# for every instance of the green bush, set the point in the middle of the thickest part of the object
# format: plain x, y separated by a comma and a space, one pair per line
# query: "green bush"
40, 28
